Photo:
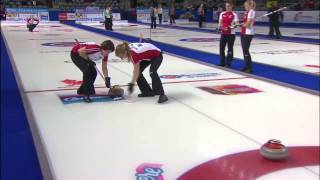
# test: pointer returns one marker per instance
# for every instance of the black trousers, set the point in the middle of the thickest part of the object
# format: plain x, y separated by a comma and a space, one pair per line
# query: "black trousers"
274, 26
108, 23
245, 43
153, 22
143, 85
201, 19
31, 27
224, 40
89, 74
172, 19
160, 18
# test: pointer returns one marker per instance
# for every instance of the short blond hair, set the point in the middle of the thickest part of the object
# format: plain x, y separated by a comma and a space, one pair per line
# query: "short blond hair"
122, 48
251, 3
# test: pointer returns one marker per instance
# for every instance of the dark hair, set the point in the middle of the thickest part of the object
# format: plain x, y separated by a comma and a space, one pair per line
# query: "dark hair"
107, 45
230, 2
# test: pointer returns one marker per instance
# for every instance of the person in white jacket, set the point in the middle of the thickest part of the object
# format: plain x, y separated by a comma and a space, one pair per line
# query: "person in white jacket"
108, 18
160, 11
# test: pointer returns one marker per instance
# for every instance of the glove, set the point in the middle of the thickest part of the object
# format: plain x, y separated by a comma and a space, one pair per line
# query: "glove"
238, 25
108, 84
218, 30
130, 87
91, 63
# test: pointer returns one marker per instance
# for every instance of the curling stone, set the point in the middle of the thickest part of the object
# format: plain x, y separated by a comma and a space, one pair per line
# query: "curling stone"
116, 91
274, 150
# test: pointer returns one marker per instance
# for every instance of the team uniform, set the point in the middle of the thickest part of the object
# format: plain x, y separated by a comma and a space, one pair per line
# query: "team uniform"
153, 18
147, 54
274, 22
226, 19
108, 19
32, 23
246, 37
202, 16
172, 13
160, 11
87, 66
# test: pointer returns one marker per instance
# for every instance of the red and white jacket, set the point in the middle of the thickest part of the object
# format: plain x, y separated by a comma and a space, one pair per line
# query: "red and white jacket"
143, 51
248, 14
93, 51
226, 19
32, 21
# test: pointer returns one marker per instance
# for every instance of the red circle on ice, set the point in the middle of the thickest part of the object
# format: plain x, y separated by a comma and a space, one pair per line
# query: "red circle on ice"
251, 165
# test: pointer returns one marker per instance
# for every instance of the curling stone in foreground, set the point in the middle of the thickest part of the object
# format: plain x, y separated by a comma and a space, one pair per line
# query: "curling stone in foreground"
274, 150
116, 91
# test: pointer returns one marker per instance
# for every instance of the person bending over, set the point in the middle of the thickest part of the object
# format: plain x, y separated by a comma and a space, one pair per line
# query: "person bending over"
141, 55
84, 55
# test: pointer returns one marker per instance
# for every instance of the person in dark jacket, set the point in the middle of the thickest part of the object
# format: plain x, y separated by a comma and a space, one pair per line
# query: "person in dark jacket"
201, 13
153, 17
274, 20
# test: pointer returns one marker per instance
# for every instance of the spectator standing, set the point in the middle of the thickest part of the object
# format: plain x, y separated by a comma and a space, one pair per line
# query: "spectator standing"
160, 11
201, 14
108, 18
172, 14
274, 21
153, 17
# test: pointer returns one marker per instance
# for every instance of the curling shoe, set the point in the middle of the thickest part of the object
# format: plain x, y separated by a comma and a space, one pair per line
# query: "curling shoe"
162, 98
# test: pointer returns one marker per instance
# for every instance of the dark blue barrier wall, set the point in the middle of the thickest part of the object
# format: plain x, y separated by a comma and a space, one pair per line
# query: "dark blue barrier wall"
54, 14
131, 16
